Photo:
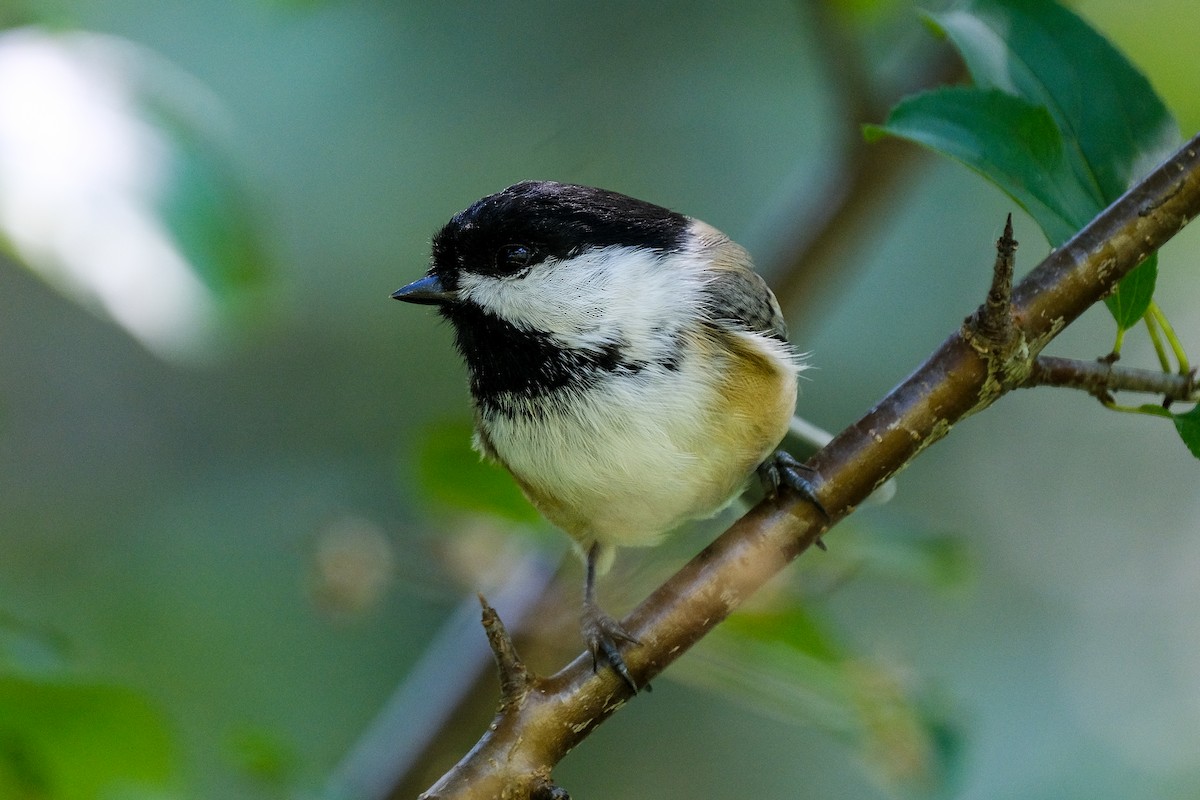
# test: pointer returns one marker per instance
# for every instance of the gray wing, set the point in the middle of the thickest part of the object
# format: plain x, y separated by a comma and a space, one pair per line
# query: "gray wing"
735, 292
743, 298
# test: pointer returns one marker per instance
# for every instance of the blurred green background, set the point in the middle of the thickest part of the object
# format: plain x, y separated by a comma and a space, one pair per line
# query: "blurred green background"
209, 483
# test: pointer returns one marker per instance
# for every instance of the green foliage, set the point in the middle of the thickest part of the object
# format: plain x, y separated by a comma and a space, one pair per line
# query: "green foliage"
1057, 118
453, 475
63, 738
1134, 294
1188, 426
1038, 50
1005, 138
66, 740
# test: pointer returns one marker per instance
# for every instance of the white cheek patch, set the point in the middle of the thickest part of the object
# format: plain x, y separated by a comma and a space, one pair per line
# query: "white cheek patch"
633, 297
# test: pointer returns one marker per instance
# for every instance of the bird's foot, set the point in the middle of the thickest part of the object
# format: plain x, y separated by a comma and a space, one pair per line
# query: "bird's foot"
603, 635
783, 470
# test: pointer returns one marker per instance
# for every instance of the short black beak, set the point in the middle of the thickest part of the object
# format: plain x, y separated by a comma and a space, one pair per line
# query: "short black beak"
428, 291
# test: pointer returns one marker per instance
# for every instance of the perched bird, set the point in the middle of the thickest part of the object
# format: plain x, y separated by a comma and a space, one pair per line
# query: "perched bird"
627, 366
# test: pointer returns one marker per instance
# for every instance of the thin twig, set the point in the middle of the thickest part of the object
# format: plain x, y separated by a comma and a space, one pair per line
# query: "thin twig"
514, 676
1101, 378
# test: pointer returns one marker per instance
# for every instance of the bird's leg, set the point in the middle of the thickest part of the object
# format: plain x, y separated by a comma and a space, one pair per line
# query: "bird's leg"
601, 632
783, 470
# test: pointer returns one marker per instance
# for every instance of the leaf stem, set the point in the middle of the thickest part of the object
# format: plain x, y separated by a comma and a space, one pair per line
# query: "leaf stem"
1156, 340
1118, 343
1176, 346
1147, 411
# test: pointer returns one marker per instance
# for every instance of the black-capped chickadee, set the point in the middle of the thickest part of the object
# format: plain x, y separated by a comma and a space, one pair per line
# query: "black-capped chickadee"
627, 365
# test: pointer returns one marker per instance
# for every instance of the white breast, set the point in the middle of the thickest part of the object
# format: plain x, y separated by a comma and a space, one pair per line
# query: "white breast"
627, 455
631, 458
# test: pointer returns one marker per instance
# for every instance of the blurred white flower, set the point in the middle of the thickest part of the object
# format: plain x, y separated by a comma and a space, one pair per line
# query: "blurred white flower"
81, 171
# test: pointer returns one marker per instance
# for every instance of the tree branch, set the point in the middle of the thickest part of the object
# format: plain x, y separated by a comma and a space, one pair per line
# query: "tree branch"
1102, 377
529, 736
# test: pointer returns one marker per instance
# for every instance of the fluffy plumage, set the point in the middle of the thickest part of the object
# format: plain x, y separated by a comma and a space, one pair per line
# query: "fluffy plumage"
626, 364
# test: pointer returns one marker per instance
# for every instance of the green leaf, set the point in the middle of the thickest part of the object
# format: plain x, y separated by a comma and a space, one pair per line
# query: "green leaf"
793, 627
1114, 124
206, 207
1188, 426
74, 741
1111, 127
1129, 302
453, 475
1009, 141
1040, 51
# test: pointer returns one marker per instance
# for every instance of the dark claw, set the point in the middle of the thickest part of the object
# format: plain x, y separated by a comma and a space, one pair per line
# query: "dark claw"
782, 470
602, 634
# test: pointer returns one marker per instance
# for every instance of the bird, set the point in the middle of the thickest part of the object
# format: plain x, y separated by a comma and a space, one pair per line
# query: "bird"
627, 366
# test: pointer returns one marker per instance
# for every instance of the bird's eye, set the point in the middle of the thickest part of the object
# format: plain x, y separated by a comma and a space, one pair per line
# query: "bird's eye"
514, 257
